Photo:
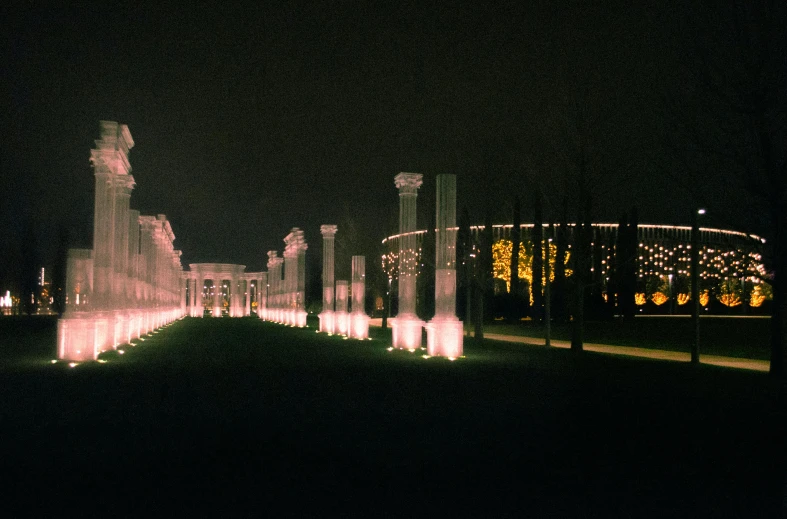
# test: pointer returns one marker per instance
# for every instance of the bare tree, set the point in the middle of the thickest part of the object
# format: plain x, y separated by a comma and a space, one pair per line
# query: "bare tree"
730, 118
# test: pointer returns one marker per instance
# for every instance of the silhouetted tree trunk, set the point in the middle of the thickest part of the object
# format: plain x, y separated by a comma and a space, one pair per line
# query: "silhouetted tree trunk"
30, 268
464, 249
515, 296
582, 259
538, 259
426, 269
626, 264
559, 289
735, 120
485, 264
59, 267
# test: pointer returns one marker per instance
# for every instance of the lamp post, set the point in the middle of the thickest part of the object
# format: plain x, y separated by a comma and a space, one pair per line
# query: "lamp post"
695, 283
547, 295
671, 295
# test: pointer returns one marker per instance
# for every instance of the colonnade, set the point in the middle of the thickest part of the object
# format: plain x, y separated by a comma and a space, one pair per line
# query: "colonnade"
286, 279
128, 284
444, 331
335, 317
230, 285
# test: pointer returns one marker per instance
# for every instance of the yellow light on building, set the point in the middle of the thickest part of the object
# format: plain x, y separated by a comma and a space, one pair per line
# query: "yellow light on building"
659, 298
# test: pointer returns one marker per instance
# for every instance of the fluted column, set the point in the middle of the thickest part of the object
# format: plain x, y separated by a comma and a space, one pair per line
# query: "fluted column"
217, 286
262, 296
406, 327
327, 317
247, 292
359, 321
444, 331
342, 317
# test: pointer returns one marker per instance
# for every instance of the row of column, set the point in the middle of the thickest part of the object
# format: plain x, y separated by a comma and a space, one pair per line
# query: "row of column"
239, 289
444, 331
334, 318
129, 282
286, 279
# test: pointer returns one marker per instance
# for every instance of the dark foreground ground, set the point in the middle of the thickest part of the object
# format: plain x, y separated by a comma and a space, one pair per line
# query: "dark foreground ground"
228, 417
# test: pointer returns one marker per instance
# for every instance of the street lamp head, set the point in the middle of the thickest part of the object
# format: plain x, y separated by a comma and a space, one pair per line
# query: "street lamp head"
700, 211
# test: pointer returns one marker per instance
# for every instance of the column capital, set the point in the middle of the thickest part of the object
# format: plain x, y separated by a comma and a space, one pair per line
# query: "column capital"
295, 243
408, 183
273, 259
328, 230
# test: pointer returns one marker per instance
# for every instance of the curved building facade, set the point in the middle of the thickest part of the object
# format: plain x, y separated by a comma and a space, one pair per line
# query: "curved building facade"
731, 266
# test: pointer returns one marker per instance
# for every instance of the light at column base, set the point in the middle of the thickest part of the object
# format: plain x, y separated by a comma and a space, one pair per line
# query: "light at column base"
444, 337
406, 332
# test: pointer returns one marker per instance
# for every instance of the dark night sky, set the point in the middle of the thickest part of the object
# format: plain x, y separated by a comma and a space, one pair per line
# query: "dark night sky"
248, 122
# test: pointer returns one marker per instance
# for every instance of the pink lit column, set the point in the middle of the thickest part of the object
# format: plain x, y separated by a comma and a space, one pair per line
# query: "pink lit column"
327, 317
342, 317
406, 327
300, 284
132, 276
359, 321
247, 291
444, 331
262, 296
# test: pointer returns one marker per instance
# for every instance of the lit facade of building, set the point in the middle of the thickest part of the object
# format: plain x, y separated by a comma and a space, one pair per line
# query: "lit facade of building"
731, 266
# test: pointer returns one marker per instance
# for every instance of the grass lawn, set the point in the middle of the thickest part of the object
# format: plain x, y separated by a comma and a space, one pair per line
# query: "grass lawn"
239, 417
731, 337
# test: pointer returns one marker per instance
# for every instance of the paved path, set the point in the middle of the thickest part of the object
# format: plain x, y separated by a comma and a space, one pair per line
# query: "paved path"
631, 351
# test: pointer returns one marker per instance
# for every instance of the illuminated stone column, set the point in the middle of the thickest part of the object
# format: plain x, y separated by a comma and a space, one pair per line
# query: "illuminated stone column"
233, 287
444, 331
359, 321
247, 292
111, 167
146, 271
184, 287
262, 296
274, 289
193, 312
294, 312
76, 330
291, 275
113, 187
406, 327
217, 286
327, 317
123, 186
132, 276
342, 317
203, 279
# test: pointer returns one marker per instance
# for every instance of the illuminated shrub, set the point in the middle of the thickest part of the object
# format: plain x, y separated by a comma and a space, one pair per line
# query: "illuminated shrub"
659, 298
730, 292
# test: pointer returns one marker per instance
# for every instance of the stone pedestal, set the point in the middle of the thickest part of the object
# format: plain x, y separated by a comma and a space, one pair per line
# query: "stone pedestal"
444, 338
77, 339
406, 332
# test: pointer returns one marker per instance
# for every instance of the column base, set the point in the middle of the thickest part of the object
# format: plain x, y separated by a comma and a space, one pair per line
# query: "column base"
300, 318
406, 332
342, 323
328, 322
80, 336
444, 337
359, 325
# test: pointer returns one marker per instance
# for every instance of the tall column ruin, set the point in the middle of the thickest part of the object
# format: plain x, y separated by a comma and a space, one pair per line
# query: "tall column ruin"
406, 326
